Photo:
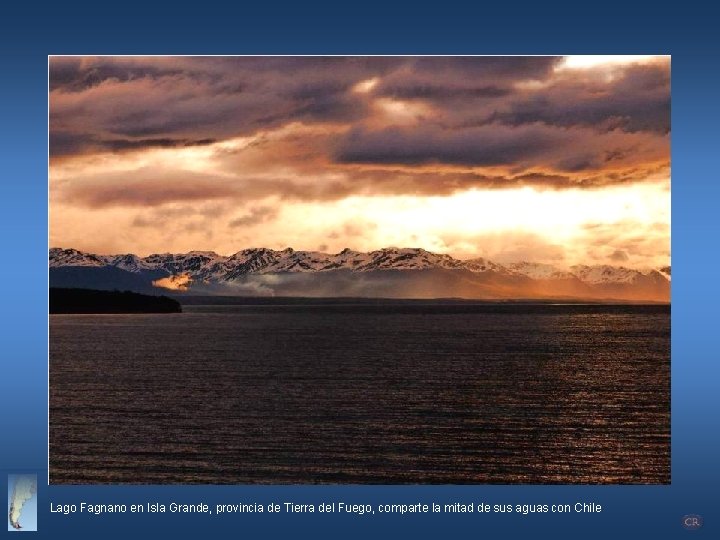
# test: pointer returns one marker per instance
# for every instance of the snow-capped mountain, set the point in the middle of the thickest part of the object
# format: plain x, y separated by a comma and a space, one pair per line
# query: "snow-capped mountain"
72, 257
604, 274
412, 271
539, 271
207, 265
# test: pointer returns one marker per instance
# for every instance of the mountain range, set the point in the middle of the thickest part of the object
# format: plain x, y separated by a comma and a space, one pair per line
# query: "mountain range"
388, 272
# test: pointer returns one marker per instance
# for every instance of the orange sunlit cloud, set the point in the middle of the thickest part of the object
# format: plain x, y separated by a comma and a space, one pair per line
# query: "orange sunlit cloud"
178, 282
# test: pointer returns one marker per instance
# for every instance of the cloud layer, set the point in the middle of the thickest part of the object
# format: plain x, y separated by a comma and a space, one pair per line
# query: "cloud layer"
259, 138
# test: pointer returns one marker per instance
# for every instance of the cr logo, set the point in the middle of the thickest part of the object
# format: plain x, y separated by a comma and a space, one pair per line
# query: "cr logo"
692, 522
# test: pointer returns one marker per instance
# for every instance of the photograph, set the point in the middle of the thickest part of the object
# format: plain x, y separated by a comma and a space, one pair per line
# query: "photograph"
359, 270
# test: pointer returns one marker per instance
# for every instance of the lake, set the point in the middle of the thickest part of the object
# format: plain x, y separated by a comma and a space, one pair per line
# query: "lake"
378, 393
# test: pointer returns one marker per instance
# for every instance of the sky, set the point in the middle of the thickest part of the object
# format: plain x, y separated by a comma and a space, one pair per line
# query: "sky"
559, 160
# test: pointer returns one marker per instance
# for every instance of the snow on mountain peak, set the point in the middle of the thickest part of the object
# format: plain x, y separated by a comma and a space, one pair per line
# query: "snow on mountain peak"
539, 270
73, 257
604, 274
208, 266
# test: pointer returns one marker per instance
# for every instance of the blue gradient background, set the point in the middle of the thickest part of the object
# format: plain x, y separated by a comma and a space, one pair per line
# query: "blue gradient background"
447, 28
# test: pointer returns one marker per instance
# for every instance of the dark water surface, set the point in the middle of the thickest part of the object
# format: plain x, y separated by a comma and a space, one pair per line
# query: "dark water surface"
362, 394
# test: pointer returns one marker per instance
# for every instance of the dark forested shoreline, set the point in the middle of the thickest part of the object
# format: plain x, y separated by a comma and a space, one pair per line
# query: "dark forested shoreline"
93, 301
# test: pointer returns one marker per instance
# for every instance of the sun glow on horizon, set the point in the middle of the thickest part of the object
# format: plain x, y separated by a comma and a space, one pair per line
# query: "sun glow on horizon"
459, 224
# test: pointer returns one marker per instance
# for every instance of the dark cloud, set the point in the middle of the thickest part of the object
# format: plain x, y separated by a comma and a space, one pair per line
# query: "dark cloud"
105, 99
435, 91
480, 91
636, 99
483, 68
200, 98
486, 146
77, 74
522, 147
472, 79
544, 126
66, 144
